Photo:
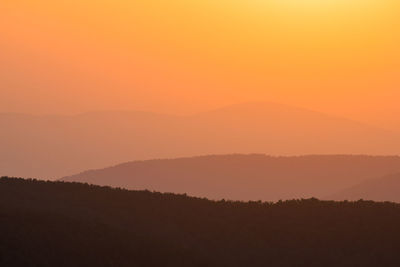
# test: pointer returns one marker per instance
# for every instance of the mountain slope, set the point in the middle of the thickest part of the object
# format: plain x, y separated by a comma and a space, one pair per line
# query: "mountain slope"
278, 129
62, 224
245, 177
382, 189
56, 146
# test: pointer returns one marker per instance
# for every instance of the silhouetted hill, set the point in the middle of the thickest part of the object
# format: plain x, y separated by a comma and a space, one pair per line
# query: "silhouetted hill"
245, 177
382, 189
69, 224
56, 146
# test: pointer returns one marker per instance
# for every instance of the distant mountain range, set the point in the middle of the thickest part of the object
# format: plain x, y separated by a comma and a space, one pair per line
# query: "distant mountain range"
55, 146
246, 177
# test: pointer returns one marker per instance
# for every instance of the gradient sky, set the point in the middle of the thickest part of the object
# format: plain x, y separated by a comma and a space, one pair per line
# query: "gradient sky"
182, 56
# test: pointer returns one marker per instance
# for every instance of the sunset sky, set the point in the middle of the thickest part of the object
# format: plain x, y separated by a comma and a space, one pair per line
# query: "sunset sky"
185, 56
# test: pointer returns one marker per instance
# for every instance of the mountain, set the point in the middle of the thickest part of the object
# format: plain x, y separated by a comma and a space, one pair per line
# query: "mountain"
70, 224
284, 130
56, 146
245, 177
382, 189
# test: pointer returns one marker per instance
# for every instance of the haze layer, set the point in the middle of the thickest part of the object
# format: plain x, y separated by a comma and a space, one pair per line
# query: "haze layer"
340, 57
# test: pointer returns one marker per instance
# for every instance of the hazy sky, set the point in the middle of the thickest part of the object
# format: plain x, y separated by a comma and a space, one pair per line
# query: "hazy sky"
181, 56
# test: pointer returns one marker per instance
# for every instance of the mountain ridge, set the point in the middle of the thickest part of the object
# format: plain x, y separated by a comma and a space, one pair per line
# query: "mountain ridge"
245, 177
53, 146
73, 224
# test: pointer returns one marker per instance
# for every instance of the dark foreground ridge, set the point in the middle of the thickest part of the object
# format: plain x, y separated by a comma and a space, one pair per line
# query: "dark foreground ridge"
71, 224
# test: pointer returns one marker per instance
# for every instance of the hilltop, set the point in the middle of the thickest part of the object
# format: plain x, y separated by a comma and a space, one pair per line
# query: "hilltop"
71, 224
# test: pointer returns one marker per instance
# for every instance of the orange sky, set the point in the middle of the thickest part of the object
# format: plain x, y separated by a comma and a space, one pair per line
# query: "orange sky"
181, 56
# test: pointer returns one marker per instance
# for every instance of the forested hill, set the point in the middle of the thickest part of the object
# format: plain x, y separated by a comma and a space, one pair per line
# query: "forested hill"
71, 224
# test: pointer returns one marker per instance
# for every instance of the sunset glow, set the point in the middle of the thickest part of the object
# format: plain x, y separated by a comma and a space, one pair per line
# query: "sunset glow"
199, 133
76, 56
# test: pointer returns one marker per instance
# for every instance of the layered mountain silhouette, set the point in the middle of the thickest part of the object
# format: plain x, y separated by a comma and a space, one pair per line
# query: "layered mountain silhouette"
56, 146
382, 189
72, 224
245, 177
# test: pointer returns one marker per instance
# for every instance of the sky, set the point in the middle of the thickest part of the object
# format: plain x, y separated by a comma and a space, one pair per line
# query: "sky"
184, 56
